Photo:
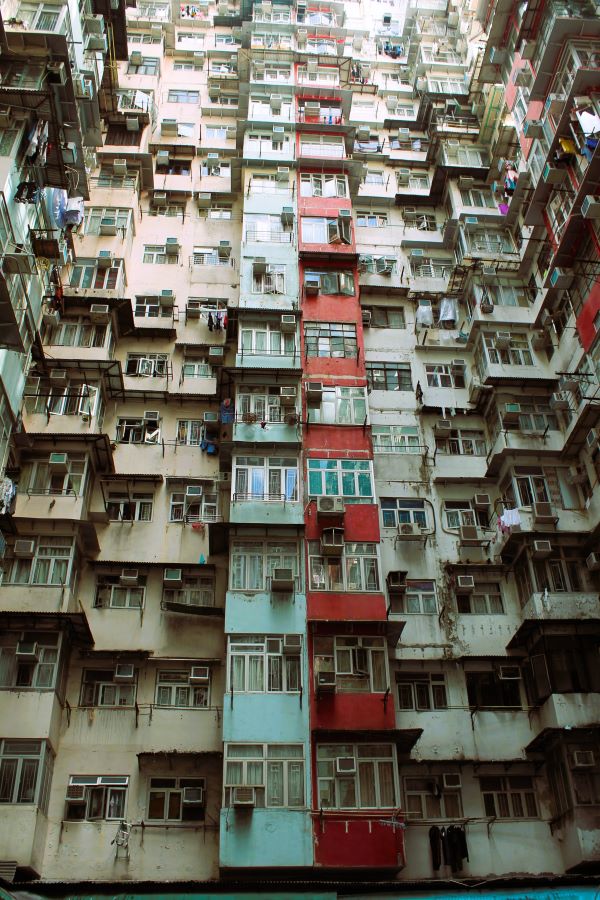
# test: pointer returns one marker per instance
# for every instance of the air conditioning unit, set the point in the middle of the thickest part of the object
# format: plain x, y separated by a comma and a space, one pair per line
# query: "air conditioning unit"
224, 249
409, 531
243, 796
124, 672
173, 577
51, 317
192, 309
590, 207
58, 376
560, 400
199, 675
259, 265
593, 562
330, 506
325, 682
288, 324
136, 58
470, 536
120, 166
287, 395
511, 413
132, 123
192, 492
509, 673
99, 313
168, 126
451, 780
76, 792
312, 284
210, 418
345, 765
489, 274
292, 644
442, 428
541, 549
105, 259
24, 549
583, 759
314, 392
287, 215
108, 226
540, 340
193, 796
543, 514
502, 340
58, 462
592, 438
215, 355
568, 383
27, 651
533, 128
396, 582
524, 77
465, 583
282, 580
482, 501
282, 173
332, 542
363, 133
172, 246
561, 278
497, 55
129, 577
552, 175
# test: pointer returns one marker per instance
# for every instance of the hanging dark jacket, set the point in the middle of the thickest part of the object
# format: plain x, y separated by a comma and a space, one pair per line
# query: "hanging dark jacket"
435, 842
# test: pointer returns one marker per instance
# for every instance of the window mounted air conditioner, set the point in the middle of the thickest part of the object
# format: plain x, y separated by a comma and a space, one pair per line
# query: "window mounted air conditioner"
172, 247
502, 340
210, 418
451, 780
288, 324
590, 207
224, 249
312, 284
470, 536
383, 266
287, 215
108, 226
168, 126
24, 549
409, 531
243, 796
509, 673
27, 651
129, 577
593, 562
511, 413
58, 376
192, 309
120, 166
105, 259
58, 462
442, 428
259, 265
124, 672
541, 549
282, 580
583, 759
561, 278
560, 400
465, 583
292, 644
345, 765
173, 577
482, 501
543, 514
330, 506
282, 173
215, 355
136, 58
533, 128
76, 792
366, 318
193, 796
592, 438
396, 582
325, 682
553, 175
314, 392
99, 313
151, 416
199, 675
287, 395
332, 542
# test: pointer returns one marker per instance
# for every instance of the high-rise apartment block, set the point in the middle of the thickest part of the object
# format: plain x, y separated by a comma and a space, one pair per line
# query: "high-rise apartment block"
299, 443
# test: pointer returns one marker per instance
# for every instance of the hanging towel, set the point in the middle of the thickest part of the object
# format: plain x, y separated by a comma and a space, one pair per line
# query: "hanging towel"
510, 518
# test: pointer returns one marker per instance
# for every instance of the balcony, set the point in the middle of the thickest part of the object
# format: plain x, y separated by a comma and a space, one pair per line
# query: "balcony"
558, 607
264, 359
23, 829
242, 839
49, 504
285, 429
359, 840
265, 509
341, 711
566, 711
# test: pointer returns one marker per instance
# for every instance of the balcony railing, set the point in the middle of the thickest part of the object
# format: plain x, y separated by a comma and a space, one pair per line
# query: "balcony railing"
245, 497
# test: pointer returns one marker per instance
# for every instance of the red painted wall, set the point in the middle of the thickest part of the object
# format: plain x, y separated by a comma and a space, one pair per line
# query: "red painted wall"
332, 437
355, 840
585, 321
344, 711
360, 521
324, 606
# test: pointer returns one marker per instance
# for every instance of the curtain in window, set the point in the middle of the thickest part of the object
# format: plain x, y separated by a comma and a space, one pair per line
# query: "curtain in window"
254, 771
275, 670
238, 665
378, 670
291, 478
387, 795
257, 486
255, 673
366, 774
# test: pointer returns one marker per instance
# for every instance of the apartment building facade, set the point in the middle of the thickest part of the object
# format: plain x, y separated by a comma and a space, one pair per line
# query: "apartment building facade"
300, 443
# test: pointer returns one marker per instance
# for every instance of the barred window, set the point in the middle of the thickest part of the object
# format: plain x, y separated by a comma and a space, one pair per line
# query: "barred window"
335, 340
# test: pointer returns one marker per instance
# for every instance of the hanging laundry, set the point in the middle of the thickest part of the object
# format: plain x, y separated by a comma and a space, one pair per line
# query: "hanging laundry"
211, 323
510, 518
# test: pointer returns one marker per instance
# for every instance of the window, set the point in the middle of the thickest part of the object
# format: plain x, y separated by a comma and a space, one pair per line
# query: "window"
446, 86
537, 416
340, 406
196, 591
8, 137
418, 599
267, 184
199, 509
489, 242
125, 507
151, 308
488, 690
257, 664
265, 339
146, 365
517, 354
99, 688
337, 340
430, 267
111, 593
330, 282
252, 563
137, 431
179, 95
259, 404
351, 479
355, 571
531, 488
88, 275
424, 799
220, 211
173, 688
183, 66
156, 254
369, 779
197, 369
98, 797
209, 256
148, 66
445, 376
174, 166
44, 17
372, 219
69, 400
175, 800
39, 673
460, 512
260, 144
461, 442
395, 438
359, 663
509, 796
386, 317
77, 331
377, 265
389, 376
190, 432
562, 664
323, 186
265, 478
270, 282
486, 599
323, 230
264, 227
50, 564
401, 511
38, 478
481, 197
422, 691
322, 146
25, 772
276, 771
